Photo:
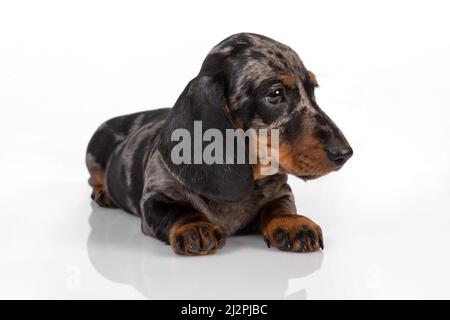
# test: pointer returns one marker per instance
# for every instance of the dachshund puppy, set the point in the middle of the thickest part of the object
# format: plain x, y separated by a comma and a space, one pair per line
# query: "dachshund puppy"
247, 81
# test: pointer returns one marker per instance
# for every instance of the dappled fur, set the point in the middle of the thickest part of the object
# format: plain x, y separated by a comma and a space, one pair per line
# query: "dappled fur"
129, 161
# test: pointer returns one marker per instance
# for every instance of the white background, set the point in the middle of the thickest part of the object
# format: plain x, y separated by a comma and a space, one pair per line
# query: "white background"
383, 68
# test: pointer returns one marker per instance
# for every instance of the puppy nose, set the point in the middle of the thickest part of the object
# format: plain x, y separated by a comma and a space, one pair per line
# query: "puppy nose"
339, 155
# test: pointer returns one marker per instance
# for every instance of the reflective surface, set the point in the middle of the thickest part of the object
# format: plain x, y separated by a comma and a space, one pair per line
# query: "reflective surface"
150, 266
385, 215
70, 248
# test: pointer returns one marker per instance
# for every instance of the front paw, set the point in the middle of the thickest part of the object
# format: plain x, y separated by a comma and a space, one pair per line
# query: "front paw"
293, 233
196, 238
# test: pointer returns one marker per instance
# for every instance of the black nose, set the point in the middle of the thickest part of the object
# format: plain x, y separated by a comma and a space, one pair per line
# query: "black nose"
339, 155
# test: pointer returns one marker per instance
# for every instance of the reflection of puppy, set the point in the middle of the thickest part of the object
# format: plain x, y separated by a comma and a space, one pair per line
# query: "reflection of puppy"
246, 81
121, 253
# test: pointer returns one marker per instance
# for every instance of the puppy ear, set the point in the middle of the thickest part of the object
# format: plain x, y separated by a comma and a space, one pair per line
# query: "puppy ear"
203, 100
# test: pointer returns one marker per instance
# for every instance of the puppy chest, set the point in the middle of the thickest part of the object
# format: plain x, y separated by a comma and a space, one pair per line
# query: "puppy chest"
234, 216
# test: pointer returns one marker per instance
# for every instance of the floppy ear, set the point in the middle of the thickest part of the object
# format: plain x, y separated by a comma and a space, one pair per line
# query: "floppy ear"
203, 100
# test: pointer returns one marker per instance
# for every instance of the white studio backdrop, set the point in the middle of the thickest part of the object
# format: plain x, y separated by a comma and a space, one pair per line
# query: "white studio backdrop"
383, 69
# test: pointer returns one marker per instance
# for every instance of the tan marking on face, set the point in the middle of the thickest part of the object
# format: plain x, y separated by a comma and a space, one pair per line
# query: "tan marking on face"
259, 167
287, 80
238, 123
227, 109
312, 79
305, 157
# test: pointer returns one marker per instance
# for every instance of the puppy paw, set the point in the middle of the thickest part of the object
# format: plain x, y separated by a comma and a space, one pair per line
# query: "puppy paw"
196, 238
293, 233
102, 199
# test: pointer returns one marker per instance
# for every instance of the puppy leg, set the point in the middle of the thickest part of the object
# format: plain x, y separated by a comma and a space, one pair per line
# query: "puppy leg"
284, 229
99, 195
187, 231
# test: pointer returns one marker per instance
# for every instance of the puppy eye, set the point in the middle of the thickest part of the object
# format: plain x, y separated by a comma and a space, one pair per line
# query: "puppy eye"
276, 96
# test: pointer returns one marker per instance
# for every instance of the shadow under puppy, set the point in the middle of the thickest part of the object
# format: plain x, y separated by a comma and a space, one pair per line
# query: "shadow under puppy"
247, 81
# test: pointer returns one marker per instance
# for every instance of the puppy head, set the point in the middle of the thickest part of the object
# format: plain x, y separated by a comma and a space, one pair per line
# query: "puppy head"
249, 81
267, 86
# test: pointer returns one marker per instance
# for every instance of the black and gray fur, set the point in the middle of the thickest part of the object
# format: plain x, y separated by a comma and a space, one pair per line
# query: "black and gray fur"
249, 81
